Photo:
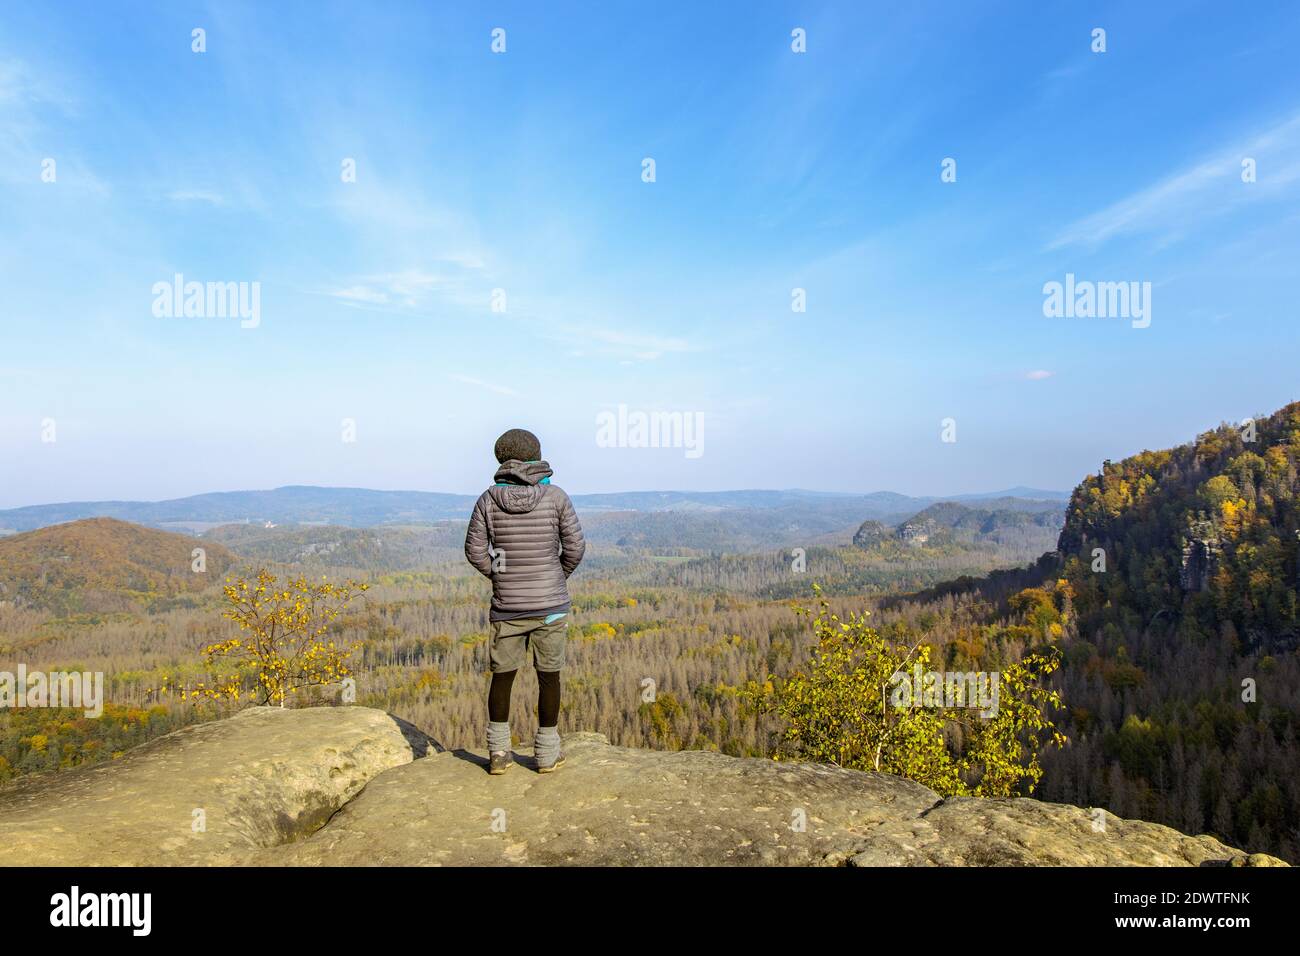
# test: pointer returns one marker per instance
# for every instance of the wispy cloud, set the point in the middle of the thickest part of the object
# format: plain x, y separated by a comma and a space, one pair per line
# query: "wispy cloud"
32, 106
21, 86
456, 280
196, 195
361, 293
1038, 374
1067, 71
490, 386
409, 288
1207, 188
624, 345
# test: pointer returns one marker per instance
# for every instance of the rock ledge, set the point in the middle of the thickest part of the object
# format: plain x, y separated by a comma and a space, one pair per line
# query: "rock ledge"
343, 787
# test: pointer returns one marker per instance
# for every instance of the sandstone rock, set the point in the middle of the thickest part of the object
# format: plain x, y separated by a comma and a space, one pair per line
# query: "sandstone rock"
870, 534
1201, 550
616, 805
263, 777
970, 831
609, 805
339, 787
915, 533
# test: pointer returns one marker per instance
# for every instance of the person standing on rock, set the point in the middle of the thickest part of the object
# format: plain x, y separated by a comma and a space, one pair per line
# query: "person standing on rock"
525, 537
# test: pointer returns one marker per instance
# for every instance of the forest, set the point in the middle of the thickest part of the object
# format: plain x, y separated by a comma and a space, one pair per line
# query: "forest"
1170, 596
1183, 680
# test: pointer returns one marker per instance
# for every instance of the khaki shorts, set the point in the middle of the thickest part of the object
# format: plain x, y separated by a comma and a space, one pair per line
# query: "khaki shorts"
511, 641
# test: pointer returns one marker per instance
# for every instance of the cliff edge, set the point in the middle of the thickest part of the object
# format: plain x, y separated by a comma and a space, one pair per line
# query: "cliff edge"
352, 786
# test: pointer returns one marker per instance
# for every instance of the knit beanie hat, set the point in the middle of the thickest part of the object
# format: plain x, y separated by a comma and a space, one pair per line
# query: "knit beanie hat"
519, 445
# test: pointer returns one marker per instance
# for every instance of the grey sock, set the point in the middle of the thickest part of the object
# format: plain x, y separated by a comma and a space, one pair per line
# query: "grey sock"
498, 736
546, 746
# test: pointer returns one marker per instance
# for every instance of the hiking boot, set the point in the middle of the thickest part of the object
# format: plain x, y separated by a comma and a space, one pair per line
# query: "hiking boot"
547, 768
499, 761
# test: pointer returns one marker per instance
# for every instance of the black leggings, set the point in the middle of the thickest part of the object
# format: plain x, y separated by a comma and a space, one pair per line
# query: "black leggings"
548, 697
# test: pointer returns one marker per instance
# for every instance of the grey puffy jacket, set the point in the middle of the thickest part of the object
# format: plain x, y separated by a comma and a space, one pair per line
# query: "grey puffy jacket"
525, 536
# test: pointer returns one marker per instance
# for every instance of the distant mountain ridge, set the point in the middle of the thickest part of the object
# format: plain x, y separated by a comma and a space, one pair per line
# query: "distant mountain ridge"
359, 507
365, 507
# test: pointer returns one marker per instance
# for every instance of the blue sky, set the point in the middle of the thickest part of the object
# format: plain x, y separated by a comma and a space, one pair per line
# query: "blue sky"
522, 171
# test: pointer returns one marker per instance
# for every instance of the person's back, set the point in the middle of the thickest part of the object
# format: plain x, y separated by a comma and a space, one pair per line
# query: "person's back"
525, 537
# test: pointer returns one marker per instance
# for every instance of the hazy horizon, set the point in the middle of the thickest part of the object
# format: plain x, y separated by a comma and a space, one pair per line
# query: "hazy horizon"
471, 493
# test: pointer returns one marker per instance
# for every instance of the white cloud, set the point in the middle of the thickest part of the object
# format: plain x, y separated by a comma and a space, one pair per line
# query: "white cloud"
416, 288
1038, 374
1067, 71
196, 195
19, 86
1207, 188
361, 293
490, 386
31, 108
626, 345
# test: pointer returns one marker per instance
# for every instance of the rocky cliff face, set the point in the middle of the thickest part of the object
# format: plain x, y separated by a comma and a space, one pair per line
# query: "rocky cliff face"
871, 533
354, 786
948, 521
916, 532
1201, 548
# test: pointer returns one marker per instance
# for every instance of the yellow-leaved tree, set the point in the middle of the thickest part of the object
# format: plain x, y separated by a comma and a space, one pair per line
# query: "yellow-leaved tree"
844, 710
283, 645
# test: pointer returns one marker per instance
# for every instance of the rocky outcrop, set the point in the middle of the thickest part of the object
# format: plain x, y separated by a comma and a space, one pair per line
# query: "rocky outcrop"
339, 787
871, 533
916, 533
1200, 558
207, 794
949, 522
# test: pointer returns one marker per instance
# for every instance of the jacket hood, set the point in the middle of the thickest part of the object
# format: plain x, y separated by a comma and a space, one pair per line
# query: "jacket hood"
519, 485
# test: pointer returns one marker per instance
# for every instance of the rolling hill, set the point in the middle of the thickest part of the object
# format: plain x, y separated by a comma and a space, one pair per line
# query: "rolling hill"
1205, 536
376, 549
1176, 577
103, 565
1183, 677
